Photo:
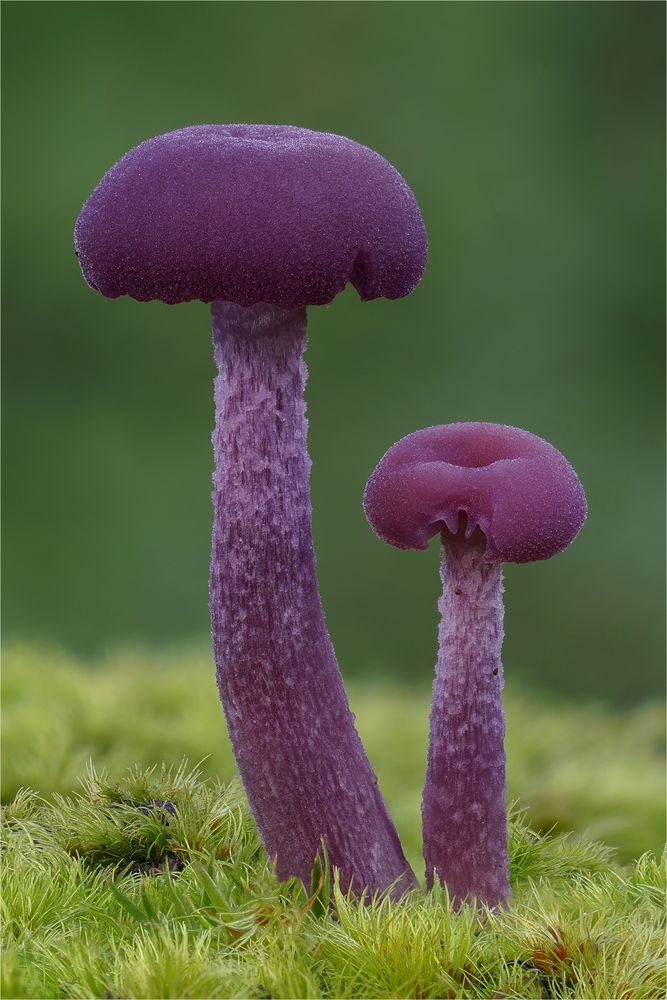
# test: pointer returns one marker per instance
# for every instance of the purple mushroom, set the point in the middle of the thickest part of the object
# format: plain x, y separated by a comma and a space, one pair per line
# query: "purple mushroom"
494, 494
262, 221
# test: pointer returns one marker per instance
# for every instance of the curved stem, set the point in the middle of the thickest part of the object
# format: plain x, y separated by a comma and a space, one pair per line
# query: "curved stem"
299, 755
464, 809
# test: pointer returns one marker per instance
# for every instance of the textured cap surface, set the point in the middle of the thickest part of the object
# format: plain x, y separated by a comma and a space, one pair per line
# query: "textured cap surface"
516, 488
248, 214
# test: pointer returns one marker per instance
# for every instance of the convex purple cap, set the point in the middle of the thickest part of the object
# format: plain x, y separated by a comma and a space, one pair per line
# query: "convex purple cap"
516, 488
249, 214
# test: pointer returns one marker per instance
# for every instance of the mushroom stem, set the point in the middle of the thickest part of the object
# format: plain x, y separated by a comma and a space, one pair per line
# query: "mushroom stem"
464, 809
299, 755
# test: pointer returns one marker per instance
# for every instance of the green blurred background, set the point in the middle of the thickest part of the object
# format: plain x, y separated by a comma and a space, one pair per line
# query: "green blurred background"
532, 135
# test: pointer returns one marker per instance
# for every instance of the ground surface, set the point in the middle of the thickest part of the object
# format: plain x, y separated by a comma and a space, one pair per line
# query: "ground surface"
151, 883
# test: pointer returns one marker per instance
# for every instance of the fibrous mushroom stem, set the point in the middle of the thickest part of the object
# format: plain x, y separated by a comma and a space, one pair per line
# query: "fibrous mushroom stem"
464, 807
300, 758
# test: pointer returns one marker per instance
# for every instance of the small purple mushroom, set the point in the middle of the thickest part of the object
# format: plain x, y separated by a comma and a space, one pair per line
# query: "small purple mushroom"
262, 221
494, 494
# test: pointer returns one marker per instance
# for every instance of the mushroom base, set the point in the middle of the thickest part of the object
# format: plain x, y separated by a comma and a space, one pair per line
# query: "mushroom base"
302, 763
464, 807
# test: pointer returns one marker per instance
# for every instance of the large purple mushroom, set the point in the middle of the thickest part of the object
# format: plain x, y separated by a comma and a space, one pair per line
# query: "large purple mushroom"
495, 494
262, 221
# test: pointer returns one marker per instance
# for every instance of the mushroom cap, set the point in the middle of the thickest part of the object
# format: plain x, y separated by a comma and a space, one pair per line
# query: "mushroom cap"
514, 487
249, 214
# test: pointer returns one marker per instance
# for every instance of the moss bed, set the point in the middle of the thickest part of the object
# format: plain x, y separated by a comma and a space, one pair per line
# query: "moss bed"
123, 877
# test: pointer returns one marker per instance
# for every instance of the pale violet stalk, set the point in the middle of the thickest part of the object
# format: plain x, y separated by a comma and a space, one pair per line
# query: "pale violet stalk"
301, 761
464, 807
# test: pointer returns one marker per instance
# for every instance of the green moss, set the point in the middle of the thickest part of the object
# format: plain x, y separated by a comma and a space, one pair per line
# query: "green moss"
109, 893
131, 879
